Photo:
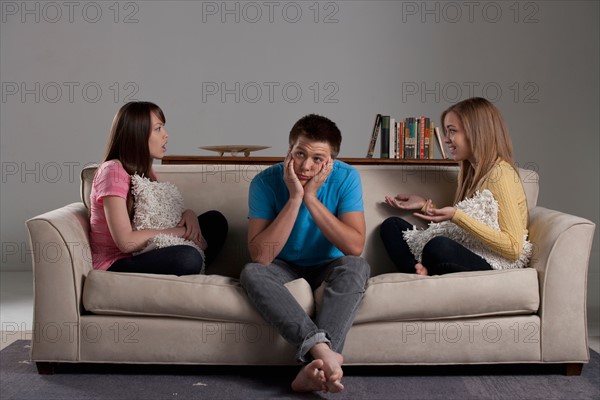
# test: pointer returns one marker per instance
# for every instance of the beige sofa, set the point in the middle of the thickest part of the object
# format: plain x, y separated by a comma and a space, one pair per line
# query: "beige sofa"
531, 315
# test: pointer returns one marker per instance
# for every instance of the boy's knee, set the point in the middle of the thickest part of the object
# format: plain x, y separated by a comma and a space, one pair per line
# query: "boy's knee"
249, 273
365, 269
358, 266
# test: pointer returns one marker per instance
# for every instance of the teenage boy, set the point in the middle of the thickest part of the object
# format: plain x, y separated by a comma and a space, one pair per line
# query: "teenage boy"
306, 220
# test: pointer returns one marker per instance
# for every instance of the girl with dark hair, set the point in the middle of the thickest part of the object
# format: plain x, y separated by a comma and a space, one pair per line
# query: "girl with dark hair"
138, 137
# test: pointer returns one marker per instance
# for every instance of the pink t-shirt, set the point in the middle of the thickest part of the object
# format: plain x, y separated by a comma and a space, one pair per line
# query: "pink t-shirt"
111, 179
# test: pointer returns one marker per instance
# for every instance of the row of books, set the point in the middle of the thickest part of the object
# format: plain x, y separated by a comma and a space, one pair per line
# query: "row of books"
411, 138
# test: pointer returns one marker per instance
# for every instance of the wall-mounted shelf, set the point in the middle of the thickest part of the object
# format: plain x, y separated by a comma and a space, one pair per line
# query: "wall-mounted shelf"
182, 159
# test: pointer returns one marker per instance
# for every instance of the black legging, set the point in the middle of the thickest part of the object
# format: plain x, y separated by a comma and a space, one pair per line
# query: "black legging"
182, 259
441, 255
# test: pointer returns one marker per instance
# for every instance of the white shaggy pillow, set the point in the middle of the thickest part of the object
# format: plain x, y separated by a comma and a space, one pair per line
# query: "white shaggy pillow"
158, 205
482, 207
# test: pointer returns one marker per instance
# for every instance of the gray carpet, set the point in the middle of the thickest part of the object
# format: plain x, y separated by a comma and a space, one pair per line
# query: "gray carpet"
19, 380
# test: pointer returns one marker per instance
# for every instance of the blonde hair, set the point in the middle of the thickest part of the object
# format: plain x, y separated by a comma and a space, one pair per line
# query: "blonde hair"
489, 140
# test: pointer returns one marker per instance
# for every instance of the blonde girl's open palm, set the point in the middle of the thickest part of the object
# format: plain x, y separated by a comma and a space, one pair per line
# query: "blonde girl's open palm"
405, 201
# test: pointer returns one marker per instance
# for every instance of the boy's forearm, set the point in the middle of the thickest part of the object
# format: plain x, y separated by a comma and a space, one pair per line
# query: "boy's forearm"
349, 239
268, 243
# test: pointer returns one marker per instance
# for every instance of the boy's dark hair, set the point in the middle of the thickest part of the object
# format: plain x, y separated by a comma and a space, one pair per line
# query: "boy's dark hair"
318, 128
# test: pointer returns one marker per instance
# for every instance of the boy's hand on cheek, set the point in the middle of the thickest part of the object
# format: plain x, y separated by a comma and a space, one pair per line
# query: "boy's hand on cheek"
291, 179
325, 170
313, 185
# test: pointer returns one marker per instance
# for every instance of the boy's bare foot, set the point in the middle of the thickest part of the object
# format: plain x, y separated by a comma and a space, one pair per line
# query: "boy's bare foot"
420, 269
332, 366
311, 378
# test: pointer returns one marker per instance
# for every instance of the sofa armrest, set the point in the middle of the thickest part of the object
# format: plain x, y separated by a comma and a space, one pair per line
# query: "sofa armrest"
562, 246
61, 257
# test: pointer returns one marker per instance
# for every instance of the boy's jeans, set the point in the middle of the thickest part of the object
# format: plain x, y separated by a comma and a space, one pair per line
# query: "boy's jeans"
346, 278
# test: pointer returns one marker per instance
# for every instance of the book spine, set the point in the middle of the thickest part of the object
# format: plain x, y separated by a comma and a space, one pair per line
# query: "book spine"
421, 137
403, 140
406, 150
374, 135
410, 138
400, 133
392, 138
417, 121
415, 138
385, 136
427, 135
440, 142
431, 139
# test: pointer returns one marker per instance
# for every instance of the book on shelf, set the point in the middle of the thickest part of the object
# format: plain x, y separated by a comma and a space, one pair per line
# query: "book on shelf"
408, 138
430, 135
374, 135
392, 138
440, 142
399, 139
385, 136
422, 138
411, 138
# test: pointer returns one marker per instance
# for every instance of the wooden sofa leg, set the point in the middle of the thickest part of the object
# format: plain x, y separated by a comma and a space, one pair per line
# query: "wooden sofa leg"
46, 368
573, 369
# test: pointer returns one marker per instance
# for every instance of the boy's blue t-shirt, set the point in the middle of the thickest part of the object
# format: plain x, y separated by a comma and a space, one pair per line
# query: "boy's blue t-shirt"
340, 193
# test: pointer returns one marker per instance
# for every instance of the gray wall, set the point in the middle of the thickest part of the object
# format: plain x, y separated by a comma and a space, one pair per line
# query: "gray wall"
243, 72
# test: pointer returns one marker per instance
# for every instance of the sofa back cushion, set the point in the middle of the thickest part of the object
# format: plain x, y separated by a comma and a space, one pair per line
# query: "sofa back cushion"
225, 188
435, 182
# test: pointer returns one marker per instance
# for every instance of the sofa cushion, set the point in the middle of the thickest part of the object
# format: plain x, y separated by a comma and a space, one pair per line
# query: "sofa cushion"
402, 297
206, 297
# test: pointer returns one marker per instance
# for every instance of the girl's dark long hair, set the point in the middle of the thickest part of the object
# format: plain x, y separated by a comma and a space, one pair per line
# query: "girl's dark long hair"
128, 141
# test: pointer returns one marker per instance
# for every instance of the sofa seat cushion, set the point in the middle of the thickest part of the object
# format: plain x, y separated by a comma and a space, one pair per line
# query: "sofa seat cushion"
205, 297
401, 297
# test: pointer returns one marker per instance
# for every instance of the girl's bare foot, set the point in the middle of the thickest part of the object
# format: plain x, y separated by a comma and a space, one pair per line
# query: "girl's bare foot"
420, 269
311, 378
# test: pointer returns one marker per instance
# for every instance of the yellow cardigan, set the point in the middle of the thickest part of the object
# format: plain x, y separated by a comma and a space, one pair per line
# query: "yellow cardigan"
504, 183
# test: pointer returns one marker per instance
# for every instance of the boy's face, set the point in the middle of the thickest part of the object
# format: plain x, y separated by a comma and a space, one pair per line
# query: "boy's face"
309, 157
